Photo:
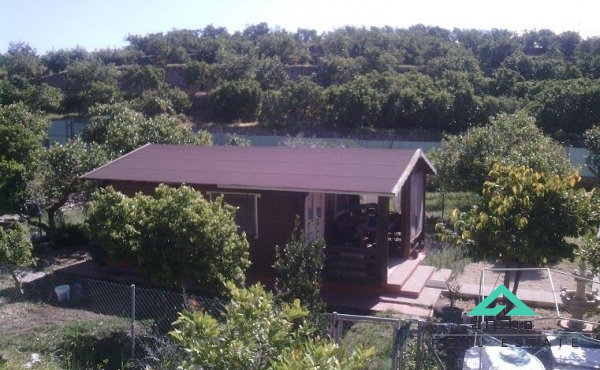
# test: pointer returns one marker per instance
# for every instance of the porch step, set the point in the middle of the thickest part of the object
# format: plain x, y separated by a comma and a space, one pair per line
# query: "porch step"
416, 283
400, 275
439, 278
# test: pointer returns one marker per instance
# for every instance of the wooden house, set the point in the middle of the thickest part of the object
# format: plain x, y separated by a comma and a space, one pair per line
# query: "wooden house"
368, 204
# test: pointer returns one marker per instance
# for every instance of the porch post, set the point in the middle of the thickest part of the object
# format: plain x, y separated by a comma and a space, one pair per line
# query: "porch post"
383, 208
405, 219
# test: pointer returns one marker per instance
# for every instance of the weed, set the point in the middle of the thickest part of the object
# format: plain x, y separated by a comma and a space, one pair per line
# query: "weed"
445, 256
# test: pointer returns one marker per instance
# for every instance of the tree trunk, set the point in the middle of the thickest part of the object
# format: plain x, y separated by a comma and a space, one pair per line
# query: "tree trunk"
18, 284
51, 211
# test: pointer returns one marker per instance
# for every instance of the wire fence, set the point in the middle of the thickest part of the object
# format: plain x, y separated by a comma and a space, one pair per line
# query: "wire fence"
85, 322
81, 323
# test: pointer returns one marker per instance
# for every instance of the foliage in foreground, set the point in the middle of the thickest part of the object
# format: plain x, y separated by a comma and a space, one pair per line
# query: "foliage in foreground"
176, 237
62, 167
592, 144
524, 217
256, 334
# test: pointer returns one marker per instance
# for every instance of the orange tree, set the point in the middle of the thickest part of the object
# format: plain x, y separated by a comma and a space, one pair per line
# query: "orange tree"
522, 219
177, 237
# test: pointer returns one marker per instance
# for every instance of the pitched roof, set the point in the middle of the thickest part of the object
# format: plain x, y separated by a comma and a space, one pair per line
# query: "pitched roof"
329, 170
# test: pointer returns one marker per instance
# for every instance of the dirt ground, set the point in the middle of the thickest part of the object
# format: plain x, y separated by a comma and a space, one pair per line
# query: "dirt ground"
554, 279
52, 260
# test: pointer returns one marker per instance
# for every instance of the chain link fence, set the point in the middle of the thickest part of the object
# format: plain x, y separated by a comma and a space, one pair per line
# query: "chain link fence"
74, 322
81, 323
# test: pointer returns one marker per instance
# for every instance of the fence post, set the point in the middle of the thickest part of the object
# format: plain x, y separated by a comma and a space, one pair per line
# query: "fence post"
132, 322
334, 328
395, 349
419, 340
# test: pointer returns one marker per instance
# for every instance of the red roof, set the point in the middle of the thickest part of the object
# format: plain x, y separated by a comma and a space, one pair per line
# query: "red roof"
330, 170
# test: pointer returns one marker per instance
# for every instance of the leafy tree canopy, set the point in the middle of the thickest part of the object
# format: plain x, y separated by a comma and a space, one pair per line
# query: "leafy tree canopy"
120, 129
59, 177
21, 137
523, 217
592, 143
465, 161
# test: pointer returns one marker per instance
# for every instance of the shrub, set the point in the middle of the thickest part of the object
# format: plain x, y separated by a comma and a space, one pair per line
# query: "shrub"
236, 101
299, 265
257, 334
178, 238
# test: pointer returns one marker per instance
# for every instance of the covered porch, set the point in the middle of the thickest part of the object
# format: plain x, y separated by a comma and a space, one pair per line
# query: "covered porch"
368, 235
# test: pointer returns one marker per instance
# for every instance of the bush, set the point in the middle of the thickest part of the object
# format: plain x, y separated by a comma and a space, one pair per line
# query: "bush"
155, 102
70, 235
299, 265
236, 101
255, 333
445, 256
178, 238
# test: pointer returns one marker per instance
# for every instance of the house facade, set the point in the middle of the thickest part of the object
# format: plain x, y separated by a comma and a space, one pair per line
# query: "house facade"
368, 204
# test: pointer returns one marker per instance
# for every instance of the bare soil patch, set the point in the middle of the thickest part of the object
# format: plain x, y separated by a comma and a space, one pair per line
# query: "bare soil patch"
558, 276
55, 259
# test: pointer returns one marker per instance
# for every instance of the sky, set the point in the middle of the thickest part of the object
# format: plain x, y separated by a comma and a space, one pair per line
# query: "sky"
95, 24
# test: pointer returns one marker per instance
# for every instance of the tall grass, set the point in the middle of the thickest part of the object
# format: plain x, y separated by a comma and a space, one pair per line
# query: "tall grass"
445, 256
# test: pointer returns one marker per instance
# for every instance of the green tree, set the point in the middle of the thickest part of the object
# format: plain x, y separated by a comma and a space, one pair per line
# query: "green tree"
198, 74
15, 250
120, 129
299, 265
59, 177
592, 144
17, 88
571, 106
301, 101
178, 238
21, 59
164, 100
271, 73
14, 179
90, 82
464, 161
136, 79
256, 334
236, 101
355, 104
21, 143
523, 219
59, 60
590, 248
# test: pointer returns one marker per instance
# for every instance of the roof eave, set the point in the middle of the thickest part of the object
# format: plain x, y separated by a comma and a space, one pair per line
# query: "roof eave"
419, 155
89, 175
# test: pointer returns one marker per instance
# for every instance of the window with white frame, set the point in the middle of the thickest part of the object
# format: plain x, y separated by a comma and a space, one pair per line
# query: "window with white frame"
246, 216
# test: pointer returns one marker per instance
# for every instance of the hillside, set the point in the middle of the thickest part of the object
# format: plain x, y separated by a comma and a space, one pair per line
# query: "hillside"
421, 80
